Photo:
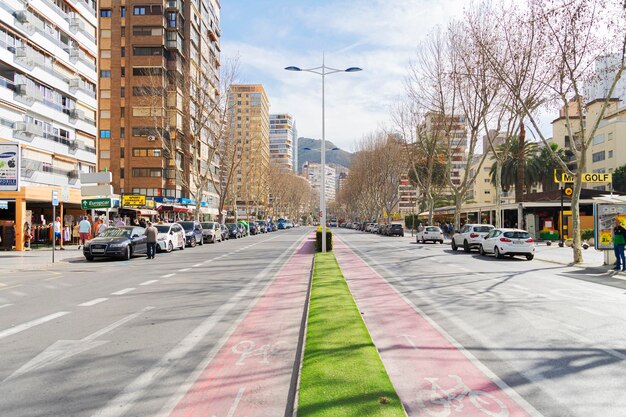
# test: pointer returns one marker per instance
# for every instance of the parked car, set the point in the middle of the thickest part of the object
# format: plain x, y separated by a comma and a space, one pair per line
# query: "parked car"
395, 230
375, 228
225, 233
282, 225
253, 228
470, 236
211, 232
430, 234
193, 233
117, 242
263, 226
243, 229
233, 230
171, 236
333, 223
274, 226
508, 242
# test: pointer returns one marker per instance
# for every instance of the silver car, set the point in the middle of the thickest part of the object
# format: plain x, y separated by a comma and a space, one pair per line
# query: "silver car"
471, 236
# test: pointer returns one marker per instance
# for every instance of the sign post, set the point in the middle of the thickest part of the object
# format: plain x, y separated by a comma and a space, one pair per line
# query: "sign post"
55, 203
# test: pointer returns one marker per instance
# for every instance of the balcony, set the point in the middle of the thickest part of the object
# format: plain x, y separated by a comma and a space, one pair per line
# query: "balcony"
76, 55
27, 130
78, 84
174, 5
27, 94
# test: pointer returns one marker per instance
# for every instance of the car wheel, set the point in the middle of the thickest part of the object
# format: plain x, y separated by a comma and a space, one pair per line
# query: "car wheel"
193, 242
530, 257
89, 258
481, 250
496, 252
128, 253
454, 246
170, 246
466, 247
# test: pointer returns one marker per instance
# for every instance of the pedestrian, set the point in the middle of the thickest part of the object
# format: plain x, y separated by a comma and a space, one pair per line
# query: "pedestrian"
84, 230
619, 241
151, 233
142, 222
57, 232
119, 222
27, 236
102, 226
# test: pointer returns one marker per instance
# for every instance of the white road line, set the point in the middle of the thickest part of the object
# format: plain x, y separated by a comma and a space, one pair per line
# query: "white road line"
152, 281
93, 302
520, 287
32, 323
590, 311
167, 275
6, 305
124, 291
197, 265
184, 270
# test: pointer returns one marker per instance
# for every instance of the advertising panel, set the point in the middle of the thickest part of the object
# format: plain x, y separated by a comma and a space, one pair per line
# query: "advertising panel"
133, 200
603, 220
10, 158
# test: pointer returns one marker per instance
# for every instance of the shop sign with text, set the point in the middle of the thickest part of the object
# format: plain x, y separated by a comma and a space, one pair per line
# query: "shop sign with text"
133, 200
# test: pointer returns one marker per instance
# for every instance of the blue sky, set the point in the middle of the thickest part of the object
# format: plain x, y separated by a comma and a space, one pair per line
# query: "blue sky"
380, 36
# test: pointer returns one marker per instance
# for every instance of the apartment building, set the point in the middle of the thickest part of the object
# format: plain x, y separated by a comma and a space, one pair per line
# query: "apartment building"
250, 133
312, 171
283, 141
157, 59
453, 127
407, 196
48, 84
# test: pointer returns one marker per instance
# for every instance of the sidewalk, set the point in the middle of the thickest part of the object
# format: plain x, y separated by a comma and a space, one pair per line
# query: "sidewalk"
38, 258
592, 258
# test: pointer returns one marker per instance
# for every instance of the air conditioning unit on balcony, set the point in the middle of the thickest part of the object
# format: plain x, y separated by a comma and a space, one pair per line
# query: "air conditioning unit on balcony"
74, 83
76, 24
28, 128
21, 16
151, 138
73, 174
73, 145
77, 114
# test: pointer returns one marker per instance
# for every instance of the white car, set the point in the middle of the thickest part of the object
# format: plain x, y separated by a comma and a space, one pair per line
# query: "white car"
508, 242
170, 237
471, 236
375, 228
430, 233
369, 226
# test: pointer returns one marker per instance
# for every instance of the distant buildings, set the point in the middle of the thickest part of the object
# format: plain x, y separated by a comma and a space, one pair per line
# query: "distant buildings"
283, 141
312, 171
452, 127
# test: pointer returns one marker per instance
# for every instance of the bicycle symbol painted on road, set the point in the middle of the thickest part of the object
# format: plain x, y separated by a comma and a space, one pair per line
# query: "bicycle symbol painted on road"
246, 350
440, 402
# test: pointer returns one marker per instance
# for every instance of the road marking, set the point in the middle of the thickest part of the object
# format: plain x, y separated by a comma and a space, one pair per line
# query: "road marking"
5, 305
124, 291
167, 275
197, 265
9, 287
152, 281
590, 311
30, 324
519, 287
410, 341
64, 349
233, 408
19, 293
184, 270
123, 402
93, 302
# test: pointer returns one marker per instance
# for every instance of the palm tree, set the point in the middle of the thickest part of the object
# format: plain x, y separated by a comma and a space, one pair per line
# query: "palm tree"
532, 170
547, 164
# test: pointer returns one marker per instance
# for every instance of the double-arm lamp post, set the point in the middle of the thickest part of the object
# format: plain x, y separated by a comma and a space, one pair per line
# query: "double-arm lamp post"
323, 70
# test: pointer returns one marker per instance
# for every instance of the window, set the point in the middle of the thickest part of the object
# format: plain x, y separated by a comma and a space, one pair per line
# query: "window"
146, 152
610, 135
147, 51
487, 192
105, 12
105, 134
147, 10
147, 172
122, 92
105, 33
598, 156
105, 114
147, 71
123, 72
121, 172
147, 31
122, 111
610, 154
139, 10
122, 132
105, 73
105, 93
122, 51
121, 152
105, 154
171, 19
123, 31
123, 11
598, 139
105, 53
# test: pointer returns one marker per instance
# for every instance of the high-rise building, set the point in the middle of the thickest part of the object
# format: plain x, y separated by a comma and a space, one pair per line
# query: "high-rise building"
312, 171
155, 56
282, 144
48, 107
407, 196
450, 128
250, 132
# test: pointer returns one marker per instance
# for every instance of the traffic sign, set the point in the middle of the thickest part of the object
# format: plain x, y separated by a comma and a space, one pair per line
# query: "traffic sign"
96, 190
55, 198
568, 191
96, 177
95, 203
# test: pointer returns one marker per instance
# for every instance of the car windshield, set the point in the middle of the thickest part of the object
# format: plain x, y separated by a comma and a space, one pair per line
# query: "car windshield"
208, 225
187, 225
231, 226
482, 229
116, 232
432, 229
517, 235
396, 226
162, 229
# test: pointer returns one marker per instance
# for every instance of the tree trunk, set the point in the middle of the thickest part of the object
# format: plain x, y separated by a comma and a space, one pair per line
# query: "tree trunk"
458, 201
575, 233
498, 193
520, 177
431, 208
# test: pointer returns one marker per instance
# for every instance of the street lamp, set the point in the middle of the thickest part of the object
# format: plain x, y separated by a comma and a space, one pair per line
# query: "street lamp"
323, 70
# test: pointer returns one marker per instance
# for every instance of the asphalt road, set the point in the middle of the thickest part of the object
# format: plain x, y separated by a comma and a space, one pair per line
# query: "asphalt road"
112, 338
554, 334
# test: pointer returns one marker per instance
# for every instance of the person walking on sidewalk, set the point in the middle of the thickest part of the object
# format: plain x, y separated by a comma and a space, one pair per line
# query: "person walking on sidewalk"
152, 234
619, 241
84, 229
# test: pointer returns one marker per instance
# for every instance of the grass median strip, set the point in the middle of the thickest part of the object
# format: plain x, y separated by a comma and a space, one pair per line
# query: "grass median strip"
342, 374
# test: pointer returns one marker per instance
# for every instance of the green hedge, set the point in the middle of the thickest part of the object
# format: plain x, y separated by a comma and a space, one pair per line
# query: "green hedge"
318, 240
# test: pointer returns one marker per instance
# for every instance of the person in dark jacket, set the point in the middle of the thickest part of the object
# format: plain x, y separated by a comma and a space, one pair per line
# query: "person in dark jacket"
619, 242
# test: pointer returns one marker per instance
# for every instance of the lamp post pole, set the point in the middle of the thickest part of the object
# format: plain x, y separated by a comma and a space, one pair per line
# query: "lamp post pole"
323, 70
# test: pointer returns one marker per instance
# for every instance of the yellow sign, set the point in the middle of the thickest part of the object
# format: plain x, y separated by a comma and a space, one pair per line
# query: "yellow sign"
588, 177
133, 200
150, 204
568, 191
605, 237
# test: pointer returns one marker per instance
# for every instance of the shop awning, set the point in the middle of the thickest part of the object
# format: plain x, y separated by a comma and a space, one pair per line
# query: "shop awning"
142, 211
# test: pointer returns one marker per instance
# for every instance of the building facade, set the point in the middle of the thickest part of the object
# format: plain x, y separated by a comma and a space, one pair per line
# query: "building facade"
312, 171
48, 84
452, 127
249, 122
283, 150
154, 58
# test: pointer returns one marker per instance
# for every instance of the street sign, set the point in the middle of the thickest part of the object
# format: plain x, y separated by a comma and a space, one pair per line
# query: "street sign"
134, 200
588, 177
4, 205
96, 190
568, 191
95, 203
96, 177
55, 198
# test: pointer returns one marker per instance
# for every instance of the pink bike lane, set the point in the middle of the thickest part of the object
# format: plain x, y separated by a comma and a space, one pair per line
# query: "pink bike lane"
251, 375
431, 373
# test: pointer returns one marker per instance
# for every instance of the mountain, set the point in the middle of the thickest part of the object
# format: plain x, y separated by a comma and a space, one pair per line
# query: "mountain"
340, 156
